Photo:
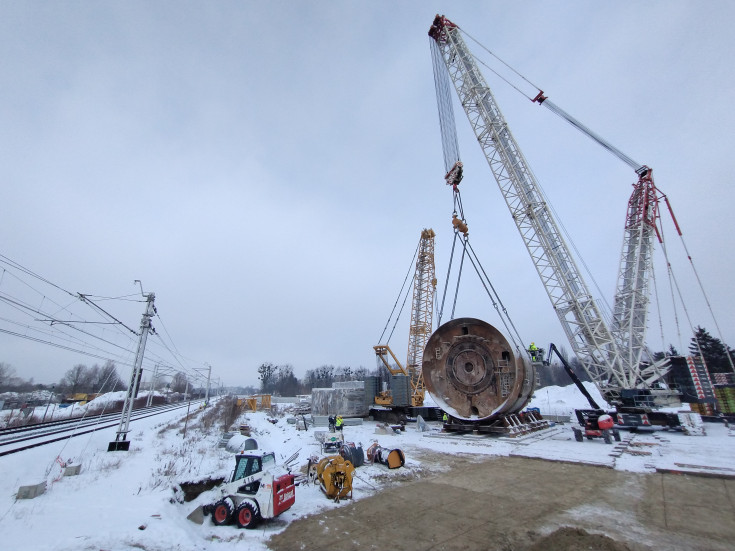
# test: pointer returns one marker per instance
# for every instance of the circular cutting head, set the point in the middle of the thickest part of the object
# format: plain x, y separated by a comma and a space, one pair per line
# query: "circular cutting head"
470, 370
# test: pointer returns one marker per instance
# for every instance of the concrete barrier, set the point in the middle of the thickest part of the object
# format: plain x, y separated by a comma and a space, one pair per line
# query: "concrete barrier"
32, 491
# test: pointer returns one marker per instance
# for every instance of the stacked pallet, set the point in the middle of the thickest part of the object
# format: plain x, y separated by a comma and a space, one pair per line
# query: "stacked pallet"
725, 398
702, 409
723, 378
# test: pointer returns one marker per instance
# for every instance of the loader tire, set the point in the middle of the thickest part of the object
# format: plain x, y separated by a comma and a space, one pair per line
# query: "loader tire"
222, 512
607, 436
578, 435
246, 515
616, 435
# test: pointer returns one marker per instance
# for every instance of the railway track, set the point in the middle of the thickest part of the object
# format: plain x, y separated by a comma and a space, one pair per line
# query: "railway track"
18, 439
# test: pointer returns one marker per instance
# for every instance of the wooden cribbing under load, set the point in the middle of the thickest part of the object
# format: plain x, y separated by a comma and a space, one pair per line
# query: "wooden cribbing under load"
472, 372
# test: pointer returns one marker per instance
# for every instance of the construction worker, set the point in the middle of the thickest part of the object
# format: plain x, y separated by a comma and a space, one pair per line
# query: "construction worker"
534, 351
338, 423
445, 418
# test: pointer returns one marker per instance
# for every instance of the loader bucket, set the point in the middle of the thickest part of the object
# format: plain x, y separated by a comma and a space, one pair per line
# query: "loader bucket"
197, 515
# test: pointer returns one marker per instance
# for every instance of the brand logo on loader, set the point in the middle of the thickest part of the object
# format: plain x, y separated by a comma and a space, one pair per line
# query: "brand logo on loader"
287, 495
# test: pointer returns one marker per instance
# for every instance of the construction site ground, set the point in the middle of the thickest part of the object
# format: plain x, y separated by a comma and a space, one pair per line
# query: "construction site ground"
470, 502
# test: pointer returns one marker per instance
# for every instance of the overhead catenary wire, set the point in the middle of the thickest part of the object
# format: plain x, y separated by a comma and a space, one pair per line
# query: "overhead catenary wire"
180, 358
28, 310
41, 295
85, 299
25, 270
56, 345
72, 332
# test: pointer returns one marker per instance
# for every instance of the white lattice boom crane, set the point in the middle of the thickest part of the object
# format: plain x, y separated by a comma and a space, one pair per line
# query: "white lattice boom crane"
611, 356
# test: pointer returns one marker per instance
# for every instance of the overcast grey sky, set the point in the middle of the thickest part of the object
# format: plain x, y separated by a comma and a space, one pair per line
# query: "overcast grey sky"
266, 167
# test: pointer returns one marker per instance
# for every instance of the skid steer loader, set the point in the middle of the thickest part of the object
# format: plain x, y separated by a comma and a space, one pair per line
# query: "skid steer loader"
259, 489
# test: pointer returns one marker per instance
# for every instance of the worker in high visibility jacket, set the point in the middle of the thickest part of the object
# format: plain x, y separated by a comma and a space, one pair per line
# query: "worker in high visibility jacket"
445, 418
534, 351
338, 423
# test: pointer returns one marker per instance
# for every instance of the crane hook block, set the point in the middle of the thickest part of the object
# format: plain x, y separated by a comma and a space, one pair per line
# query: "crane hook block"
459, 225
454, 176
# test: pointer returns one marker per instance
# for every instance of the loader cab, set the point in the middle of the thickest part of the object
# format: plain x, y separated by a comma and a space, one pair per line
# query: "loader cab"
252, 463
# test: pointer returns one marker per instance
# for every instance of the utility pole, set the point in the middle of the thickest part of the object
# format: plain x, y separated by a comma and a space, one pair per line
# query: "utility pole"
51, 395
149, 401
209, 376
188, 407
120, 443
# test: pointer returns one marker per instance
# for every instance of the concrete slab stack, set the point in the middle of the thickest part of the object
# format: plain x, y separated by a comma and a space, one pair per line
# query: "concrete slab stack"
348, 402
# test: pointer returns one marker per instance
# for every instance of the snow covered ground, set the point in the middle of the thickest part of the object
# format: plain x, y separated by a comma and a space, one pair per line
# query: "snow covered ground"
55, 412
563, 400
126, 500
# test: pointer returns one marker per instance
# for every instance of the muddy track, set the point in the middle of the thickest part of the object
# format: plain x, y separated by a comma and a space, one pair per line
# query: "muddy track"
466, 502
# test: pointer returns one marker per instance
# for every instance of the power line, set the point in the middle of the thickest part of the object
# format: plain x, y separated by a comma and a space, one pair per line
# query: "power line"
53, 330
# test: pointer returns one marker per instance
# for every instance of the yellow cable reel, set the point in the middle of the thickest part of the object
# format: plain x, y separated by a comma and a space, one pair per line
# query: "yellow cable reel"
334, 474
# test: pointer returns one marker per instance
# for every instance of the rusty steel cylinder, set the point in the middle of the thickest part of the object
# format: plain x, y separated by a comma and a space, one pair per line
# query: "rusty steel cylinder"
472, 372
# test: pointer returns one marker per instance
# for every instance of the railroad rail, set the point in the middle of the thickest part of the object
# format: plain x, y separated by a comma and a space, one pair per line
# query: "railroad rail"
13, 440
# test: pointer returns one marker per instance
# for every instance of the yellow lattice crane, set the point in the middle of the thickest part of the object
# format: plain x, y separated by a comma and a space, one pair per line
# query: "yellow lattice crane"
422, 313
